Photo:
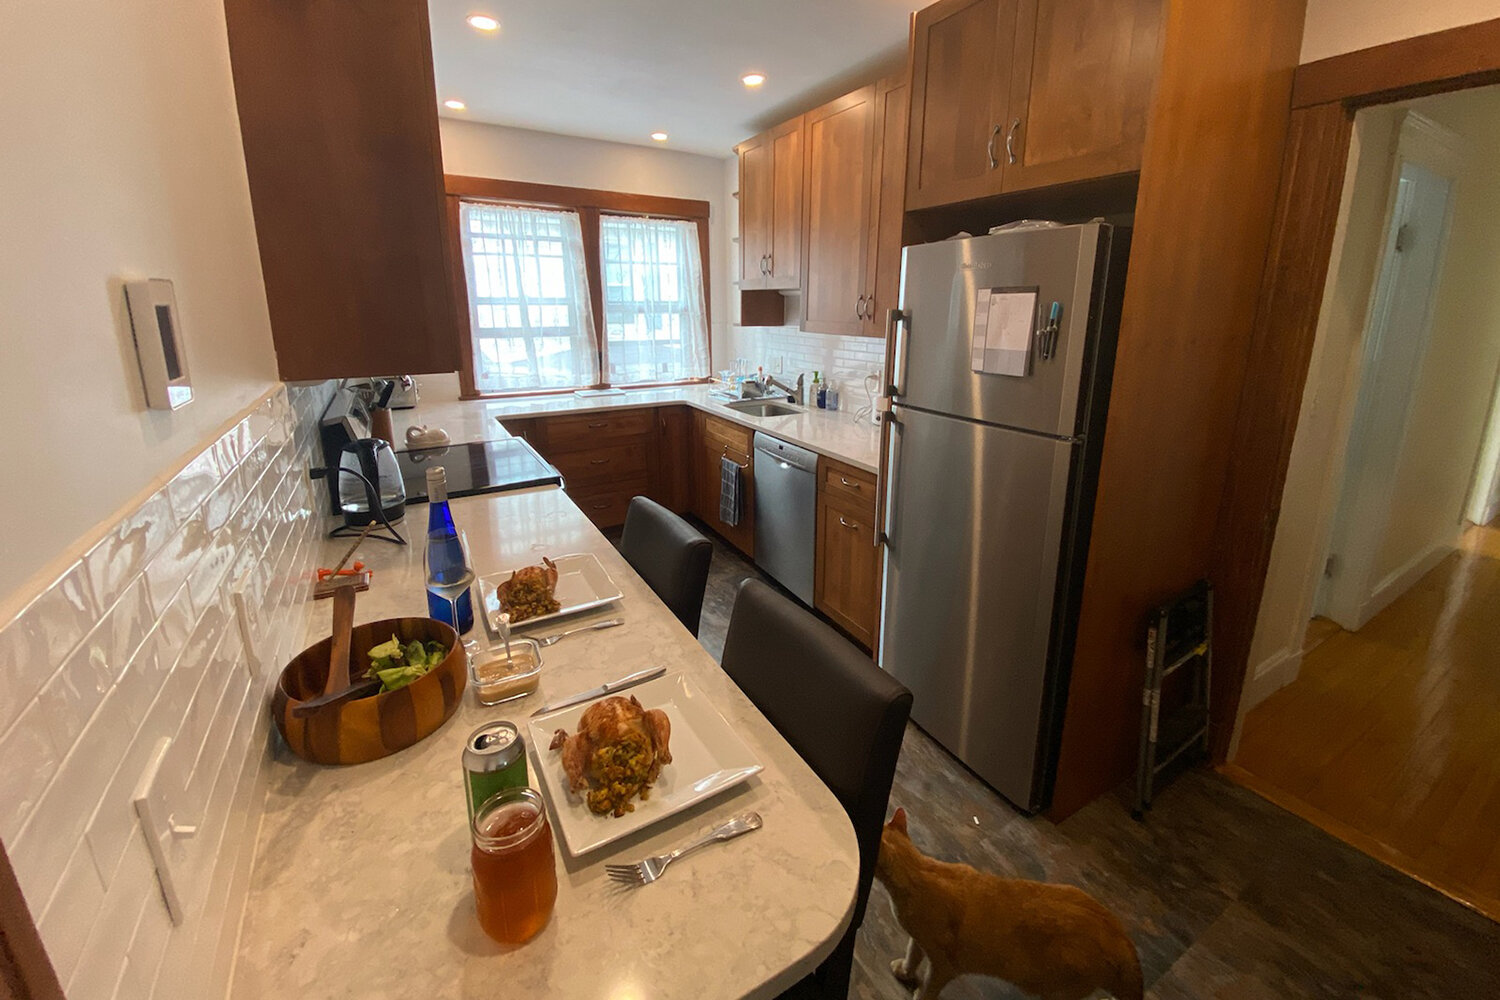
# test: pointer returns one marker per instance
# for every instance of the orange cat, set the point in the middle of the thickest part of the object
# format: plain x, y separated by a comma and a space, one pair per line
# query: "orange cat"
1054, 941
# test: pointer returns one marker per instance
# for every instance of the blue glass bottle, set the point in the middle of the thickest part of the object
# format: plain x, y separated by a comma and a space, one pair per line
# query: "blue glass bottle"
445, 555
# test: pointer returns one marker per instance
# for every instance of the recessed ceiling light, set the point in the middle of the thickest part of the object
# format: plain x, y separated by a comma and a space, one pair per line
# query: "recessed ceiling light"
453, 105
659, 136
753, 79
483, 22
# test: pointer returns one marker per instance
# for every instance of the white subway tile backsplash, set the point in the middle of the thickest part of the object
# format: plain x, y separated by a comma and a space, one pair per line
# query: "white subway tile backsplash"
193, 484
135, 643
69, 699
123, 553
69, 917
29, 764
183, 550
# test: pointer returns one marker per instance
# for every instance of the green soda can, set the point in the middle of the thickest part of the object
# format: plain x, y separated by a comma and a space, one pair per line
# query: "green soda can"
494, 760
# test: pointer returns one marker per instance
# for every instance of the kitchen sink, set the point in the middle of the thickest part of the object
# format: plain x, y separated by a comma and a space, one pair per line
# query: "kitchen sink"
763, 408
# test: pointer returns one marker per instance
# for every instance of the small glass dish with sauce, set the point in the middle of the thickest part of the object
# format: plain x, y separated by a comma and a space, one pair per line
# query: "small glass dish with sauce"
497, 678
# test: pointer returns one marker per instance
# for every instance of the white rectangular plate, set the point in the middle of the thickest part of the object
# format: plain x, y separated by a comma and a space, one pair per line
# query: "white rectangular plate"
582, 585
707, 757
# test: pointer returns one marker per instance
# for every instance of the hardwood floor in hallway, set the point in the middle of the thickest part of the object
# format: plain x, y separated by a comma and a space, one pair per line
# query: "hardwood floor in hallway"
1389, 738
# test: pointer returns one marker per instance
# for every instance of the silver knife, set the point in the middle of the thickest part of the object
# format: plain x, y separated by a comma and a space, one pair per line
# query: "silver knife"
629, 680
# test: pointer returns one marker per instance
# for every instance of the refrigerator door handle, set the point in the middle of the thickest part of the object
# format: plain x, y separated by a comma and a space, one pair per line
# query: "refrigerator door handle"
895, 335
889, 430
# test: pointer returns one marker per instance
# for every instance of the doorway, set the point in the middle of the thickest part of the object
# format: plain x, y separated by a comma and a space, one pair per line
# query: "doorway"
1372, 697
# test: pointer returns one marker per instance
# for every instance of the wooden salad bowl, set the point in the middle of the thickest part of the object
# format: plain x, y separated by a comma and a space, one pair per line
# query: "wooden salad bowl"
365, 729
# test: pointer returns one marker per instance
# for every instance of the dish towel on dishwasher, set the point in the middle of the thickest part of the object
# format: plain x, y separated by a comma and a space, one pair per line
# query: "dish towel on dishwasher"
730, 483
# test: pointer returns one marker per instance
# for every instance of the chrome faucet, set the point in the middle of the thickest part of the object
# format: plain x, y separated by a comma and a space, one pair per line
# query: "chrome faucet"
794, 393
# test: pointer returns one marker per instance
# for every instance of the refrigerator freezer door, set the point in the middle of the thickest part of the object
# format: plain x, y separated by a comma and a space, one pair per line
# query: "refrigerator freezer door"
974, 516
943, 283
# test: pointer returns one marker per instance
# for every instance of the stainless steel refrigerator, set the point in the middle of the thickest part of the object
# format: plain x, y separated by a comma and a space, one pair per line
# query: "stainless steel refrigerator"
1000, 358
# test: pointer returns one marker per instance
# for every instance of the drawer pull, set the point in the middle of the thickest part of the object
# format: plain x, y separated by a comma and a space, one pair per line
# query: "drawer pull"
593, 427
848, 524
600, 505
850, 484
598, 461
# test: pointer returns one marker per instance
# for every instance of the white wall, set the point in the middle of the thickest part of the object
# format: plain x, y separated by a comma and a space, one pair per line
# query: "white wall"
479, 150
1337, 26
1453, 395
120, 157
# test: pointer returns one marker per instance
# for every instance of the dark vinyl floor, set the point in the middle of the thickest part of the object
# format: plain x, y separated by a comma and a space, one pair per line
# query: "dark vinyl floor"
1224, 894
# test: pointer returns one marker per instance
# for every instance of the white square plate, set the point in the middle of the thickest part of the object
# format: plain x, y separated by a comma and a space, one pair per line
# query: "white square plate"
582, 585
707, 757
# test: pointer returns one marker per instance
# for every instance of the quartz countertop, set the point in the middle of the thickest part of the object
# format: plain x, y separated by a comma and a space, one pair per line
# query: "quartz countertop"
361, 884
835, 434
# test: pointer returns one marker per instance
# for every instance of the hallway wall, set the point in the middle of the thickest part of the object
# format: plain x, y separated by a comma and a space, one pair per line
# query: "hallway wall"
1453, 395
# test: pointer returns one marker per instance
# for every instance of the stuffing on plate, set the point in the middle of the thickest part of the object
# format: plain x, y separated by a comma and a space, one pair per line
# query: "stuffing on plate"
617, 753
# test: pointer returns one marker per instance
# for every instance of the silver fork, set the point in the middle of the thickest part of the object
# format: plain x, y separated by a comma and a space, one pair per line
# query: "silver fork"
607, 623
650, 869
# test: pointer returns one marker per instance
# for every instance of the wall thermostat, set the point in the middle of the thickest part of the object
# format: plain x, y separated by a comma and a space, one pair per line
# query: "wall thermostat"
158, 343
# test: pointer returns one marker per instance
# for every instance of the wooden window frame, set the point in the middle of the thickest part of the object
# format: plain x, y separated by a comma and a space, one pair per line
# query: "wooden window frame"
590, 204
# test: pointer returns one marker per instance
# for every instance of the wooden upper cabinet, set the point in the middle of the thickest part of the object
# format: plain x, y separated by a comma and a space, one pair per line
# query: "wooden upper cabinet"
787, 151
338, 113
755, 210
1016, 94
1081, 89
771, 166
888, 200
961, 78
837, 222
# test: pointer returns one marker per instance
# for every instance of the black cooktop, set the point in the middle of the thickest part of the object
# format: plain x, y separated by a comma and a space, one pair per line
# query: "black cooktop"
477, 467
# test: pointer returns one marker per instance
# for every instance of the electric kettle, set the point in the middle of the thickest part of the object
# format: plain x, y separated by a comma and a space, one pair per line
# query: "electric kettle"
369, 485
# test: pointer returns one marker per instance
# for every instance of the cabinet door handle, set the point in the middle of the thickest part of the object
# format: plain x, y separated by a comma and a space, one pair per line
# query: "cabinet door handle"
849, 483
1010, 141
765, 263
859, 308
870, 306
847, 524
989, 147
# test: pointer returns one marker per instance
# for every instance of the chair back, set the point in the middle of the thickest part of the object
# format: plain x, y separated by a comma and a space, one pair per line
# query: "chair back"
839, 711
670, 555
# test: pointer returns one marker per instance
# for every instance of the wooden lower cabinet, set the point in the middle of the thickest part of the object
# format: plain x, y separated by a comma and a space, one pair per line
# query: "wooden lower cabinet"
606, 459
714, 440
847, 576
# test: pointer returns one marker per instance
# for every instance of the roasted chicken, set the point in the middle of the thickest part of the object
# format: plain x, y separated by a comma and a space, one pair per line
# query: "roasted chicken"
617, 753
528, 592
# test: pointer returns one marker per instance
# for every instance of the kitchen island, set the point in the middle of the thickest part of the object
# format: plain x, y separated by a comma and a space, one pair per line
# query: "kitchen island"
361, 884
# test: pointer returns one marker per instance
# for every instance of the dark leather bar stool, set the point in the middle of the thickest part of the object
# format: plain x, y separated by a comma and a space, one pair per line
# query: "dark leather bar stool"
841, 712
670, 555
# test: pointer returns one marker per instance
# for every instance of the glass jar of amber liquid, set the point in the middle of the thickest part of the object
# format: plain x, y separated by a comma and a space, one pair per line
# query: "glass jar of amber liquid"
515, 880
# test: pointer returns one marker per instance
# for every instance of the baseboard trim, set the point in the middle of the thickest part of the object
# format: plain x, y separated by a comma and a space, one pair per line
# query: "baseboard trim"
1403, 579
1271, 675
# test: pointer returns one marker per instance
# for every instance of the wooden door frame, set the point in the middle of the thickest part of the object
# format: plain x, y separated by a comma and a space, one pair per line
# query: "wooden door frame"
1325, 96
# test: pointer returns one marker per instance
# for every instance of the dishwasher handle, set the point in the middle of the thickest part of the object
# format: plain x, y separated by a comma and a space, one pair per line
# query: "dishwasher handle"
794, 456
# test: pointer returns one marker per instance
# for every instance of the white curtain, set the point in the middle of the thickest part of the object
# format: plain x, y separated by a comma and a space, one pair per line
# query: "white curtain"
529, 312
654, 321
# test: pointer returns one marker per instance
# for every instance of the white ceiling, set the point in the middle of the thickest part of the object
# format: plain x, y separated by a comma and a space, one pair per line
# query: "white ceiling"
621, 69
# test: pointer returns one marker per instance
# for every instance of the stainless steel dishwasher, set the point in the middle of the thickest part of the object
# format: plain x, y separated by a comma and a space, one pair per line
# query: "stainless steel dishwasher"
786, 513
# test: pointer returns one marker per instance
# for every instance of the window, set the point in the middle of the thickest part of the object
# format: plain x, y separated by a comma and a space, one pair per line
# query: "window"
529, 316
569, 288
655, 330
